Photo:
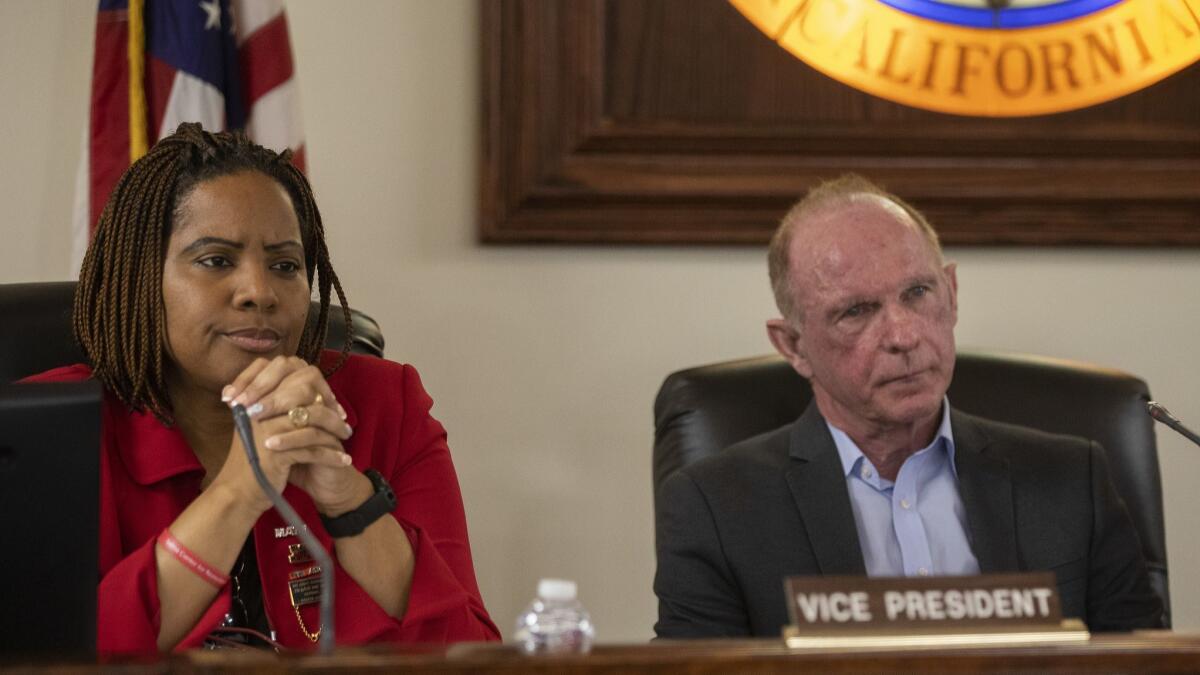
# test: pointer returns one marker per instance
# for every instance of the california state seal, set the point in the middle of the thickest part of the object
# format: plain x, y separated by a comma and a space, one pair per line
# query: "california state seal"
988, 58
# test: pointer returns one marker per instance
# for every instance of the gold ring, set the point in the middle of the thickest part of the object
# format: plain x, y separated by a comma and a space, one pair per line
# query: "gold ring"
319, 400
298, 416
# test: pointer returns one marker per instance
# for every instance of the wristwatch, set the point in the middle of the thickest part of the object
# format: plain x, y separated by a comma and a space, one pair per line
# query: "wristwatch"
354, 522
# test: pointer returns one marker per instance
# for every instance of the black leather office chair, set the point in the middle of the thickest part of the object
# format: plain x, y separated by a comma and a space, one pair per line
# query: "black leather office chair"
35, 329
700, 411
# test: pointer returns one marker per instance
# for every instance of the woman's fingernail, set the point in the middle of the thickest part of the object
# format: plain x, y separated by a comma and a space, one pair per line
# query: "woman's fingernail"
254, 409
346, 459
241, 399
272, 442
341, 411
227, 393
349, 431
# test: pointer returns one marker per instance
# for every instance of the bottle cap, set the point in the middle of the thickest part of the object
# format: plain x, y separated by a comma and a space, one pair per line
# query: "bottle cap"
556, 589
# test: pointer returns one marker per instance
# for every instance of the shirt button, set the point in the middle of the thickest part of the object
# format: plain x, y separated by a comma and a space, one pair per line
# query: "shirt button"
866, 472
904, 504
923, 572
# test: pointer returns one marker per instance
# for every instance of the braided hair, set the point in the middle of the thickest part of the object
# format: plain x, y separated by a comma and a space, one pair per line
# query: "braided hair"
119, 318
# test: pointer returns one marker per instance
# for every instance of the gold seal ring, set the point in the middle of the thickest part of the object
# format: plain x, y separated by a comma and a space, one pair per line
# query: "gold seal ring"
319, 400
298, 416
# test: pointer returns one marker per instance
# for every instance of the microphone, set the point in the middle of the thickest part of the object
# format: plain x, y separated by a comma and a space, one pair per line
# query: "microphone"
1161, 414
242, 421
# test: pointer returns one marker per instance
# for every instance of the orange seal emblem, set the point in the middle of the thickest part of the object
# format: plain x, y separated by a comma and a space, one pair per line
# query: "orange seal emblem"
988, 58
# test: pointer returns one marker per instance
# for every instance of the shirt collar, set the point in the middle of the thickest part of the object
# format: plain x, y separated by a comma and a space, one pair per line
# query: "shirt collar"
150, 450
850, 454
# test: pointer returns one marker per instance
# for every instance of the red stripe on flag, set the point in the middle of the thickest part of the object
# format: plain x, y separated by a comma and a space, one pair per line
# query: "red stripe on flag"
160, 78
298, 158
109, 136
265, 59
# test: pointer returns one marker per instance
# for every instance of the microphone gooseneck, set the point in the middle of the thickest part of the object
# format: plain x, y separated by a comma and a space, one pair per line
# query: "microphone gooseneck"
241, 420
1161, 414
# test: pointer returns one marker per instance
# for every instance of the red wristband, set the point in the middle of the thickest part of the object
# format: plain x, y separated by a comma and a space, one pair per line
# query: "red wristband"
190, 560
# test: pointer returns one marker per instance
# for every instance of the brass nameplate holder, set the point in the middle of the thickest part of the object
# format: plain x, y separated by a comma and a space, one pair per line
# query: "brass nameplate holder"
919, 612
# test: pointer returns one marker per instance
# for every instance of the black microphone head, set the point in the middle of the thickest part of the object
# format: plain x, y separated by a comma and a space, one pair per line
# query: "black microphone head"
1159, 412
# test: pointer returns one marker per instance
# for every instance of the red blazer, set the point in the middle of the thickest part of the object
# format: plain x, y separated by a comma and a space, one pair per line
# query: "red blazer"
149, 475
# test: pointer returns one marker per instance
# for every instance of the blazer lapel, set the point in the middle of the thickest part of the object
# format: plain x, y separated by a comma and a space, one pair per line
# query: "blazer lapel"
818, 486
985, 486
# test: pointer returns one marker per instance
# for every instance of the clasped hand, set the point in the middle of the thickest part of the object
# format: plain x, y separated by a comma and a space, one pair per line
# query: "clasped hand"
303, 447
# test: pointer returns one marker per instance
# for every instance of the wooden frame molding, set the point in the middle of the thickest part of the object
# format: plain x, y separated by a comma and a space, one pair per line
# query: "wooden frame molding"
676, 121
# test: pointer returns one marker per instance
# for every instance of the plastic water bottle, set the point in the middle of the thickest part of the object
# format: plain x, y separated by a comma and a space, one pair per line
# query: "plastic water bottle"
555, 622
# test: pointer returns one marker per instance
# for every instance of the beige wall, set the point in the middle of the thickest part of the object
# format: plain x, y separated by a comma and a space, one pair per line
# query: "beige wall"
544, 361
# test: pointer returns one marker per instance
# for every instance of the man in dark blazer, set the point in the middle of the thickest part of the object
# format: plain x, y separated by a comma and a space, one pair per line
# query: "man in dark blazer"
881, 476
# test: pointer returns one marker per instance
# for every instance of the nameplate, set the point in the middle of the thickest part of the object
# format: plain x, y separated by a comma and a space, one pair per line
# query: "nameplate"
980, 609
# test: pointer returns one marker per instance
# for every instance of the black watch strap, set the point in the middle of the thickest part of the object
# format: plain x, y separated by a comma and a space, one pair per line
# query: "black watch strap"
354, 522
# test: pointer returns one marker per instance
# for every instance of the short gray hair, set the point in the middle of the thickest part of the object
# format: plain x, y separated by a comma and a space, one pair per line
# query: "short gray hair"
837, 192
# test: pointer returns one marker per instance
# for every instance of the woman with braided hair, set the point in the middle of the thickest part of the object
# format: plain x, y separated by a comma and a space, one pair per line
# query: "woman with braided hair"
195, 295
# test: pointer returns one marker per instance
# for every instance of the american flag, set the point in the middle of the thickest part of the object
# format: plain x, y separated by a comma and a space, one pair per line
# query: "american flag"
224, 63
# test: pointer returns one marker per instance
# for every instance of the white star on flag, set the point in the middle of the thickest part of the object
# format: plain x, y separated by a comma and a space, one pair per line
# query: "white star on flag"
213, 9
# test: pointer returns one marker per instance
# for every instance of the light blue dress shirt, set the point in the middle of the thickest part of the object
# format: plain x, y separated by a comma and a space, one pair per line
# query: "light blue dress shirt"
915, 526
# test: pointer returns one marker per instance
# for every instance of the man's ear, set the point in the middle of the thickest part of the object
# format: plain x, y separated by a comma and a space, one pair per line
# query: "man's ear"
951, 273
789, 342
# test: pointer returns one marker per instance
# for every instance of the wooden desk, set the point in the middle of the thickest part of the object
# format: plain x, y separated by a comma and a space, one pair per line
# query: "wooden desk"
1146, 652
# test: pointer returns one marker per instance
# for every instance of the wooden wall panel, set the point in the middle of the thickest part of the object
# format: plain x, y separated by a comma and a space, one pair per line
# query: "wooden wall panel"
677, 121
